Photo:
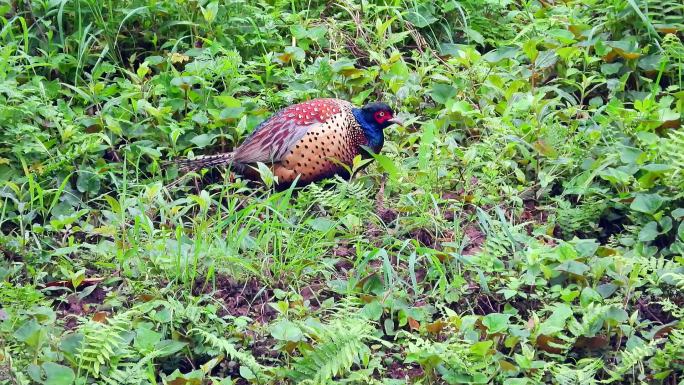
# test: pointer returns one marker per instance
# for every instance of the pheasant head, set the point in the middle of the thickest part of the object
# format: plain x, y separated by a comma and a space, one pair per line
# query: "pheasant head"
373, 119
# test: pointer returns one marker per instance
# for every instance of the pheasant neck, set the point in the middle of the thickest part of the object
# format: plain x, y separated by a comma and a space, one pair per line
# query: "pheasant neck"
373, 133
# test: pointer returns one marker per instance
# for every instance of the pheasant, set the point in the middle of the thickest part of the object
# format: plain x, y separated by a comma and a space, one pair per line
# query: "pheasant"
309, 140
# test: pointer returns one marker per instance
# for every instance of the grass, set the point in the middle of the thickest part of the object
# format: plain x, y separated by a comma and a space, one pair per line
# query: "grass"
526, 226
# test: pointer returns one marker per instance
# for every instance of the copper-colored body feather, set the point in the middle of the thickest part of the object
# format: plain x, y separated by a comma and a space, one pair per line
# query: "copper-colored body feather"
308, 140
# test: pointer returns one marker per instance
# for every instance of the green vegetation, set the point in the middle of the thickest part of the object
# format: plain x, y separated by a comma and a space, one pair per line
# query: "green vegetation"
525, 227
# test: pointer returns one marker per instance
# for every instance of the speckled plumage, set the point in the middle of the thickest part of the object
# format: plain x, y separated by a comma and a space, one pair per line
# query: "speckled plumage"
308, 140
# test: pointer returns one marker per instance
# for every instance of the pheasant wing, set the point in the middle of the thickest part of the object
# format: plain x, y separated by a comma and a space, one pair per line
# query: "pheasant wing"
273, 138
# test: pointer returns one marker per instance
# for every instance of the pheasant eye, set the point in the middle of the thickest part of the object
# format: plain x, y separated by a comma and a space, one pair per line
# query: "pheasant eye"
380, 116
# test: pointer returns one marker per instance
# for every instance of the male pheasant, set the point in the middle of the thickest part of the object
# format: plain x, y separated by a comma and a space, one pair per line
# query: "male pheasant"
309, 140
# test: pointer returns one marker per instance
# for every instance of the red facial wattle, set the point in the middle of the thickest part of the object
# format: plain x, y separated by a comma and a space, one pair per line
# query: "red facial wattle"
382, 116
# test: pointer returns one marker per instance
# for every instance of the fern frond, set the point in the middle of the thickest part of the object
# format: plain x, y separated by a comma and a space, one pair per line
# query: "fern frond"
677, 279
672, 308
341, 344
582, 217
669, 357
673, 155
584, 373
666, 12
129, 373
536, 376
246, 359
454, 360
629, 358
103, 343
592, 320
342, 196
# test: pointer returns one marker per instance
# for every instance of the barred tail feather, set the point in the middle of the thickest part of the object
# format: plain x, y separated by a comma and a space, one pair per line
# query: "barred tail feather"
205, 161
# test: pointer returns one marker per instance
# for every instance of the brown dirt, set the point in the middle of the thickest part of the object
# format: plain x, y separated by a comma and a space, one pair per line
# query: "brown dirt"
312, 292
526, 306
249, 298
375, 235
423, 236
344, 265
650, 309
475, 239
75, 307
487, 304
9, 255
534, 215
387, 215
343, 250
401, 371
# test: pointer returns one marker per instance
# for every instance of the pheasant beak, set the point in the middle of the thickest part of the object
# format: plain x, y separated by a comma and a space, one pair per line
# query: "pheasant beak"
397, 120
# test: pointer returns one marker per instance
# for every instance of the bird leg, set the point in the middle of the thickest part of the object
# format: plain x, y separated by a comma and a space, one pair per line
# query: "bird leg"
380, 196
197, 187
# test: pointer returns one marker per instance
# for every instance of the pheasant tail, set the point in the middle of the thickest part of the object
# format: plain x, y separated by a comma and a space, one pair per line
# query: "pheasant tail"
205, 161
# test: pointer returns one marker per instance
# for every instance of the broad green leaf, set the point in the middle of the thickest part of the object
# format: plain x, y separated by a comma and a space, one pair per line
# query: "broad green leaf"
678, 213
481, 348
266, 174
29, 333
606, 289
617, 315
146, 338
556, 322
500, 54
168, 347
387, 165
57, 374
88, 181
545, 149
628, 49
586, 247
200, 118
647, 203
114, 205
228, 101
231, 113
425, 150
210, 11
565, 252
588, 296
615, 175
496, 322
285, 330
246, 373
649, 232
546, 59
322, 224
610, 68
564, 36
573, 267
421, 15
373, 310
440, 93
203, 140
388, 325
460, 106
530, 49
474, 35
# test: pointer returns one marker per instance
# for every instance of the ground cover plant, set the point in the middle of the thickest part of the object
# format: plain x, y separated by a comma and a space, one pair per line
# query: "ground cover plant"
526, 225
